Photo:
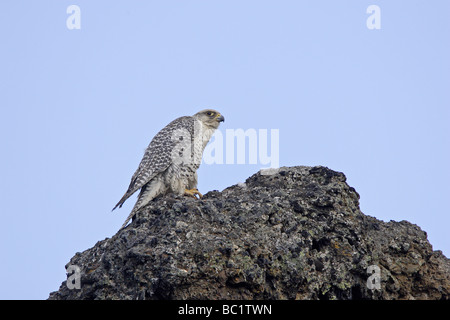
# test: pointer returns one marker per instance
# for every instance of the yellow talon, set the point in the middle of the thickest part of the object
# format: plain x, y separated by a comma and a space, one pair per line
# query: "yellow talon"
192, 193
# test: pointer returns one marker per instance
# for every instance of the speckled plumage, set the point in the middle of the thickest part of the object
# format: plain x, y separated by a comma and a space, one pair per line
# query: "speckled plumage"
172, 158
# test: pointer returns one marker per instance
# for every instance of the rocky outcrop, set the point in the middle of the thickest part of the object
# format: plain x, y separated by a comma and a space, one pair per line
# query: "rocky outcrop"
294, 233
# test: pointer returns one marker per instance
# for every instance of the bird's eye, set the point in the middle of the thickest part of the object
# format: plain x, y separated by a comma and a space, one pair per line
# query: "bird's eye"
209, 113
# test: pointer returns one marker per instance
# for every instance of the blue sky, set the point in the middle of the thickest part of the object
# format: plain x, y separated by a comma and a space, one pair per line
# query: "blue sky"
79, 107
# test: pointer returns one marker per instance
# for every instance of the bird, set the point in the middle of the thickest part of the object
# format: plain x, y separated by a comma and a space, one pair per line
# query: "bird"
171, 160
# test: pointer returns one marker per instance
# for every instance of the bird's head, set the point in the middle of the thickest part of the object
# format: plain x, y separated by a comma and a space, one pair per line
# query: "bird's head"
210, 117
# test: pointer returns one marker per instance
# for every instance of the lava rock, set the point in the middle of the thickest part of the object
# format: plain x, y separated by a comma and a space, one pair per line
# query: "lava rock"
297, 233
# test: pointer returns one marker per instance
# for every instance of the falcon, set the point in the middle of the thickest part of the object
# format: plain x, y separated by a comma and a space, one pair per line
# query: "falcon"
171, 160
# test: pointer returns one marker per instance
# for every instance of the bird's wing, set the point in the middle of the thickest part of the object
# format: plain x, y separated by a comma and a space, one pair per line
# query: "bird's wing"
157, 157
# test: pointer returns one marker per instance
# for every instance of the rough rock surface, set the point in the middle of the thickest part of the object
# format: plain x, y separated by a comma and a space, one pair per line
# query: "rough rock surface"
294, 234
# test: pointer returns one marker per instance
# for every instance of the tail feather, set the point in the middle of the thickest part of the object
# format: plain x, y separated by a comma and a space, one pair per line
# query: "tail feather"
122, 201
139, 204
131, 189
147, 194
131, 215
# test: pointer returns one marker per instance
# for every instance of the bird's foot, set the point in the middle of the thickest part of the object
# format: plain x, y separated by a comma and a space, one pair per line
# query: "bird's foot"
192, 193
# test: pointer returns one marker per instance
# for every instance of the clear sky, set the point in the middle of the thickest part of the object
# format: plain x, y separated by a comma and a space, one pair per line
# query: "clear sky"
79, 107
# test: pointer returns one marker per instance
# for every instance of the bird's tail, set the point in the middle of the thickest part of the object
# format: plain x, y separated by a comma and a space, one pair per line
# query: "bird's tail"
131, 189
139, 204
121, 202
131, 215
148, 193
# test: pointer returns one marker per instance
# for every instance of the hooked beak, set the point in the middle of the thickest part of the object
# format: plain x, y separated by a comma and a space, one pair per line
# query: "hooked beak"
220, 118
